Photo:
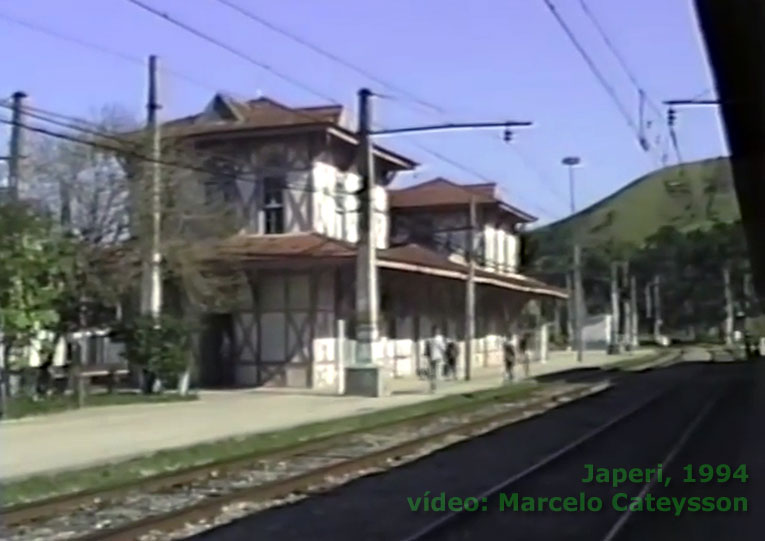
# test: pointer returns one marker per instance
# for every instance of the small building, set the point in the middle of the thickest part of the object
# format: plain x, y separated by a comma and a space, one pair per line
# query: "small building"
287, 178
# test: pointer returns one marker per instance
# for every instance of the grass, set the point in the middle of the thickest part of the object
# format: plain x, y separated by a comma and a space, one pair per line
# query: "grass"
638, 210
112, 475
26, 406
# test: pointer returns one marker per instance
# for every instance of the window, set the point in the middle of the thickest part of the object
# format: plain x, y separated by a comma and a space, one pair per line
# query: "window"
273, 205
220, 188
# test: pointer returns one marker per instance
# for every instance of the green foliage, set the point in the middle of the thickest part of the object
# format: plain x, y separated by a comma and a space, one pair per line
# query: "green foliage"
162, 346
681, 223
31, 273
694, 195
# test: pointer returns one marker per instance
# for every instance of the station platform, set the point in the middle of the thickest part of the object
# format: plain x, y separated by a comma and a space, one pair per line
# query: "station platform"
79, 438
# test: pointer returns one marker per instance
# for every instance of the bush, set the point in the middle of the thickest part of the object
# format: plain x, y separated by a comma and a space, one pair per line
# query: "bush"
161, 348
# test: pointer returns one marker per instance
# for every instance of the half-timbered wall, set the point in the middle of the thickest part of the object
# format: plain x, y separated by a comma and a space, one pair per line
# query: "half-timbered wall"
336, 204
447, 233
501, 248
443, 231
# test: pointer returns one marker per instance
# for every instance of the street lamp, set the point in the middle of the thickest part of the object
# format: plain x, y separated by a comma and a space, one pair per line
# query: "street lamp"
571, 162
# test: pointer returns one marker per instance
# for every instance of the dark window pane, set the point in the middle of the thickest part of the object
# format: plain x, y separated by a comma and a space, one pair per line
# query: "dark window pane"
274, 220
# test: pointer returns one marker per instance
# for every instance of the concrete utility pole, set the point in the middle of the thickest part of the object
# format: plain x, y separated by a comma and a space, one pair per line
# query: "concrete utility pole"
470, 288
626, 308
364, 376
657, 317
17, 146
571, 162
648, 300
729, 315
748, 292
614, 346
635, 330
570, 315
151, 299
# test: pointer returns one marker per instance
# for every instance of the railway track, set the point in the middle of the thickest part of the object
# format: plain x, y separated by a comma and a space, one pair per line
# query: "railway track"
175, 500
553, 473
168, 501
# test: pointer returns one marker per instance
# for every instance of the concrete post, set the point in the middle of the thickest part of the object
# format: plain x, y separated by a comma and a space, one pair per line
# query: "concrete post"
543, 342
340, 355
364, 378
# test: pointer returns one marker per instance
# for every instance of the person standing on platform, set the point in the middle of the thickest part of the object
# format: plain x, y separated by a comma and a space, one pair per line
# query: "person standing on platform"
508, 350
435, 350
450, 368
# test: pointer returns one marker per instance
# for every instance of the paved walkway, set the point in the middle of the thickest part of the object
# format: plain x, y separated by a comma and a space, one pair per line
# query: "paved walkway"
96, 435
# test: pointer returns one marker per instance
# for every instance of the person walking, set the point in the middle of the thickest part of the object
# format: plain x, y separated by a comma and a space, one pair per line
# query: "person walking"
435, 350
509, 355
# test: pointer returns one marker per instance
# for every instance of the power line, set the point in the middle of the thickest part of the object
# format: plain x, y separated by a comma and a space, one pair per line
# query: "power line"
339, 60
619, 57
143, 157
210, 39
96, 47
595, 70
472, 171
327, 54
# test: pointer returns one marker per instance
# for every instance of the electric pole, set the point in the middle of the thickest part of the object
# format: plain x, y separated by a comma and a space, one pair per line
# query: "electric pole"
578, 303
470, 289
364, 376
151, 300
17, 145
657, 316
626, 308
614, 347
571, 162
647, 291
729, 321
634, 309
570, 311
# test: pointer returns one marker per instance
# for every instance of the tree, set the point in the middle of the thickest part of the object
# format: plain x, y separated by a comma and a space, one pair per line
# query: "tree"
98, 192
31, 281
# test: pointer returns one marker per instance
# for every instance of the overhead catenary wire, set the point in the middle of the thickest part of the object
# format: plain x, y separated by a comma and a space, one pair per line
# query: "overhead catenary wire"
130, 153
98, 48
431, 106
236, 52
619, 57
595, 70
140, 61
328, 54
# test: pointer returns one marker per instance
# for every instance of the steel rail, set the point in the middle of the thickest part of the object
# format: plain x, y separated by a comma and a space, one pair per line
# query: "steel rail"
448, 520
303, 482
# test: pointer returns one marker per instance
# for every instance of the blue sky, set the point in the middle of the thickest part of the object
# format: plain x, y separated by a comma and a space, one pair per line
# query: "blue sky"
478, 60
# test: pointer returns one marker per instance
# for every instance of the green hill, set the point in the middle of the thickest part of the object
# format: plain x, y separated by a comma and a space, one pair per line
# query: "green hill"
689, 196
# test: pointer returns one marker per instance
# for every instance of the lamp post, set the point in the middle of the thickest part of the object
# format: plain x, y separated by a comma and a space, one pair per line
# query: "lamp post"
571, 162
364, 377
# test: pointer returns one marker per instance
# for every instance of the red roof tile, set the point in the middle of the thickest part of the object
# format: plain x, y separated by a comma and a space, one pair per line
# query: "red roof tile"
409, 258
227, 115
440, 192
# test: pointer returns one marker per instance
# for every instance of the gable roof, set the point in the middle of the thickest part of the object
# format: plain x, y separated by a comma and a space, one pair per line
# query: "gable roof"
442, 192
226, 115
261, 112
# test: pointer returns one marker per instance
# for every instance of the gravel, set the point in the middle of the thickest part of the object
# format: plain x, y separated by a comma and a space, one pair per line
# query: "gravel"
135, 506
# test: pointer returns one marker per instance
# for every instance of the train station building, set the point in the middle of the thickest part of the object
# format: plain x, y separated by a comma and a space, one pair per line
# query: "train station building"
290, 181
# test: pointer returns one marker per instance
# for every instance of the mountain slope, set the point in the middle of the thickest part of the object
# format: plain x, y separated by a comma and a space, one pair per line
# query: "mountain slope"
690, 196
